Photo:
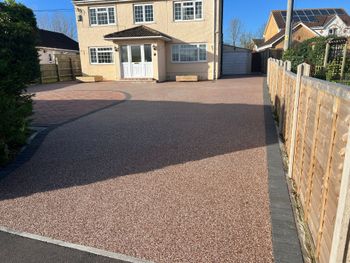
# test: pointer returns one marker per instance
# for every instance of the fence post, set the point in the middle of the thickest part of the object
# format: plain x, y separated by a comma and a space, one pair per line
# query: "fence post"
341, 228
71, 68
303, 69
345, 51
268, 72
325, 61
57, 70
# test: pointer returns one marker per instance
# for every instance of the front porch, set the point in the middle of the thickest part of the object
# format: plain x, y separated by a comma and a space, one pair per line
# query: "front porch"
140, 54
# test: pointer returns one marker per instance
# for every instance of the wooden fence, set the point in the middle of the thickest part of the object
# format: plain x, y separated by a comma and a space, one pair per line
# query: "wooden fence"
314, 118
65, 68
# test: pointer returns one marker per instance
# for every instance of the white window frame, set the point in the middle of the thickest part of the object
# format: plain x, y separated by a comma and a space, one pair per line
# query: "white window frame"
182, 11
198, 56
143, 14
97, 51
96, 10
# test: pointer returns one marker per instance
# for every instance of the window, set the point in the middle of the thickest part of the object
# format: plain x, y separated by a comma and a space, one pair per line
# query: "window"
143, 13
189, 53
333, 31
102, 16
188, 10
101, 55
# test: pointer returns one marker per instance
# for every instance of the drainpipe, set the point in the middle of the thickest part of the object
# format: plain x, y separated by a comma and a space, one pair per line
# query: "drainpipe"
215, 24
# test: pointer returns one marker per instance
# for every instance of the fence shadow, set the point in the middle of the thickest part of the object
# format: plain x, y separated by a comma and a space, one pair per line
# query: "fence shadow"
136, 137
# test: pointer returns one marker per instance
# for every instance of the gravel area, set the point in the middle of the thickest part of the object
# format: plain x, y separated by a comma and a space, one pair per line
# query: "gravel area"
178, 173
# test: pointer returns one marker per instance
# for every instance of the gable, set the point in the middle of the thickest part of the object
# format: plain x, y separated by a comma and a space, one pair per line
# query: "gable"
271, 28
300, 34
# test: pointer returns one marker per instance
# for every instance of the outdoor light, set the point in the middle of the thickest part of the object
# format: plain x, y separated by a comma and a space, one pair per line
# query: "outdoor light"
116, 48
154, 47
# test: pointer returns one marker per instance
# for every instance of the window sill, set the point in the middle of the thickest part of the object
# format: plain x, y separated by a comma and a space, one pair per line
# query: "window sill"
144, 23
99, 64
189, 62
188, 21
103, 25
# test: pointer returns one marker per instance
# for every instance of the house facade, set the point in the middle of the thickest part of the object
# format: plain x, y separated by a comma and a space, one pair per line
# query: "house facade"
157, 40
51, 44
307, 23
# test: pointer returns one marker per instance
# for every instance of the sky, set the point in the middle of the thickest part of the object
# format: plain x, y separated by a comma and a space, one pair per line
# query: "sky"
253, 13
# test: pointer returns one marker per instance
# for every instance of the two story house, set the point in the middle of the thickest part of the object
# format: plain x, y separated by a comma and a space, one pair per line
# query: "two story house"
150, 39
307, 23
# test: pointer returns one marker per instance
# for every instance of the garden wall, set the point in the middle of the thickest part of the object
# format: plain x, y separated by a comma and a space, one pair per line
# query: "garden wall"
314, 118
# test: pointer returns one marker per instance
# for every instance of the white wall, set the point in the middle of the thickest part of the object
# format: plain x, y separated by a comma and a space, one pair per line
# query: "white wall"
342, 29
45, 54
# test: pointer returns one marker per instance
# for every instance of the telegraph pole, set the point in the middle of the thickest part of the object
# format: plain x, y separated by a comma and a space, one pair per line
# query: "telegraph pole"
289, 30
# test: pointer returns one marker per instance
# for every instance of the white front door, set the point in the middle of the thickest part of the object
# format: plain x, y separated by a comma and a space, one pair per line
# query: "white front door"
136, 61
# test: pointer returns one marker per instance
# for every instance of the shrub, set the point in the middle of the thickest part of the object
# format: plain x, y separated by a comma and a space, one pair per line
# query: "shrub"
19, 65
310, 51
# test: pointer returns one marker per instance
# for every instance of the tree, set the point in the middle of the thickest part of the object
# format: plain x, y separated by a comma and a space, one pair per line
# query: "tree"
235, 30
260, 32
246, 40
58, 23
19, 65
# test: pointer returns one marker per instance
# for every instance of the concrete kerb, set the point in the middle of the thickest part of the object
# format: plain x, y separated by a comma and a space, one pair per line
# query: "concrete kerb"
81, 248
285, 240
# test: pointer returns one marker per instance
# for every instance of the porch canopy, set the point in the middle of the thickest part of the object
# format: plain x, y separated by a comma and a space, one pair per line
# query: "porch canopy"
139, 32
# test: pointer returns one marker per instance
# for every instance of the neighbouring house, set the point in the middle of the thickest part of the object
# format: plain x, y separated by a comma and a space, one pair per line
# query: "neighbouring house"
158, 40
54, 43
307, 23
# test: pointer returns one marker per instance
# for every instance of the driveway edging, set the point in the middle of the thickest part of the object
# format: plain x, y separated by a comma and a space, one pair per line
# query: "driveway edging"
77, 247
285, 240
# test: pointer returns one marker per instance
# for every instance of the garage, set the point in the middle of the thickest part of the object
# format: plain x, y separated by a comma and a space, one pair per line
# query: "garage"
236, 60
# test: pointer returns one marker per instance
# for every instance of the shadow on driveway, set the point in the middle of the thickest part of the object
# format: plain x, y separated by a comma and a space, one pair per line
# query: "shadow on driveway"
135, 137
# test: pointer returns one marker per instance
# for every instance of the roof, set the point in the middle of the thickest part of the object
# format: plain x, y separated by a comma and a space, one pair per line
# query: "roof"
57, 40
227, 47
279, 36
137, 32
311, 17
258, 42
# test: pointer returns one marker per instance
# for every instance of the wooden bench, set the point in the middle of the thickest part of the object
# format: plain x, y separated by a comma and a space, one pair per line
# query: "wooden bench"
90, 78
187, 78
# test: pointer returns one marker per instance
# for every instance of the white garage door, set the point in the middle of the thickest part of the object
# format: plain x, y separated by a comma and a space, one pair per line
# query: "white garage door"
234, 63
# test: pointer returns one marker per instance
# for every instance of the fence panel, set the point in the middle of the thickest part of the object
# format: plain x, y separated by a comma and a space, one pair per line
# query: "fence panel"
66, 68
321, 135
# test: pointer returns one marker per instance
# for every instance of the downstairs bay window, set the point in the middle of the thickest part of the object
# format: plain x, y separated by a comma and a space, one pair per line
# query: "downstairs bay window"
183, 53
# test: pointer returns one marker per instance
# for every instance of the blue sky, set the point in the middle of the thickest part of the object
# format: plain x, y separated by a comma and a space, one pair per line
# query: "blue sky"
252, 13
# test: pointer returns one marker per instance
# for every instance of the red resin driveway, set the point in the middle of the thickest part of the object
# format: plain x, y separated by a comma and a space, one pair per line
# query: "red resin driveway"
176, 173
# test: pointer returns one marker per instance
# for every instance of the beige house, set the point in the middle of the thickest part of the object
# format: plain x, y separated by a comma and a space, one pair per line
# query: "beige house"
158, 39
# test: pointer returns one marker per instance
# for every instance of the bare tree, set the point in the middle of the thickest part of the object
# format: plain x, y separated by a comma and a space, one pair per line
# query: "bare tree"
58, 23
261, 30
246, 40
235, 30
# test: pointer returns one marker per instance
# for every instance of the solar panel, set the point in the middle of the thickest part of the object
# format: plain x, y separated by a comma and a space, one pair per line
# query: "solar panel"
324, 12
310, 15
340, 11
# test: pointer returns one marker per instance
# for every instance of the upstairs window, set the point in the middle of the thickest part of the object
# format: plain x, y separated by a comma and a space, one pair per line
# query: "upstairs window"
102, 16
333, 31
143, 13
188, 10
